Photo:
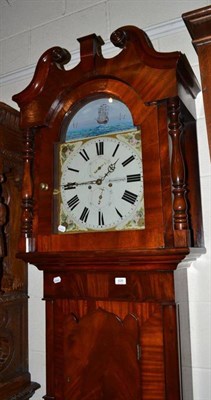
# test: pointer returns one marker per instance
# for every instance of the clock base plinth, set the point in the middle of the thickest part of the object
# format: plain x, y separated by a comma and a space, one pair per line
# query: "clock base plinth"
89, 305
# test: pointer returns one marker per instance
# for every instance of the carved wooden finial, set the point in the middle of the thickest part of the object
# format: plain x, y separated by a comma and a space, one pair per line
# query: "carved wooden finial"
60, 56
119, 38
90, 46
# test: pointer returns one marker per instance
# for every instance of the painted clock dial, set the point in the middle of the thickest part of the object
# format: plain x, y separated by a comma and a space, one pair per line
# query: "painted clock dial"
101, 182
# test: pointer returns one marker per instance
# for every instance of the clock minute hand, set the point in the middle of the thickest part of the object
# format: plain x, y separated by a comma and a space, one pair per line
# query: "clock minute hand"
73, 185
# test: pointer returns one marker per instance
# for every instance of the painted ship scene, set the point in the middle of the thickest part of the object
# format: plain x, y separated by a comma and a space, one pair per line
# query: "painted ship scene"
100, 117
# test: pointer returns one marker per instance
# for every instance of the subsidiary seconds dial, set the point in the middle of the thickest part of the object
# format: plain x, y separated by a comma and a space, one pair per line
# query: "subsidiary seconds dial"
101, 184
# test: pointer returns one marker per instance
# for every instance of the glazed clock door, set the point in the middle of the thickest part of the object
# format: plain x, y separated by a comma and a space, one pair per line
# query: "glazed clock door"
99, 185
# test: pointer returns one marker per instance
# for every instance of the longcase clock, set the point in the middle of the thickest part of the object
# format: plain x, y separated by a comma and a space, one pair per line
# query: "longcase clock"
110, 207
15, 379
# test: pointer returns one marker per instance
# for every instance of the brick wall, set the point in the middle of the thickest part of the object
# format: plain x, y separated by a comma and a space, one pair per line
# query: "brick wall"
27, 29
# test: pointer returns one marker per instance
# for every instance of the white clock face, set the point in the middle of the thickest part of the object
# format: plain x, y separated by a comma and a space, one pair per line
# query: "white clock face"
101, 185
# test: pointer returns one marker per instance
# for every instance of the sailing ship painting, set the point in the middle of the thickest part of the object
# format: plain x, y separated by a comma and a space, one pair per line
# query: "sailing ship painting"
103, 114
100, 117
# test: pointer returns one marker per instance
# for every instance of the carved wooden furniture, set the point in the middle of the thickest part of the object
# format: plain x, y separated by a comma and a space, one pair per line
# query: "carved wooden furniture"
198, 23
109, 218
15, 380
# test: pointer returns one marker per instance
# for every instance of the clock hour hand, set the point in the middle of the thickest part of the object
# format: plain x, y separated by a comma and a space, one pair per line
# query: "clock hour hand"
111, 169
112, 166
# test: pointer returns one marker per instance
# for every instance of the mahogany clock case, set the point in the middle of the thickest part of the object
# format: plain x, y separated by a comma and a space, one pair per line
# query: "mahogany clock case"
110, 301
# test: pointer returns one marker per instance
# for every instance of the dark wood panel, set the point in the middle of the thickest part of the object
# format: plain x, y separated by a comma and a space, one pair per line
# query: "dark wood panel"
15, 382
101, 357
77, 328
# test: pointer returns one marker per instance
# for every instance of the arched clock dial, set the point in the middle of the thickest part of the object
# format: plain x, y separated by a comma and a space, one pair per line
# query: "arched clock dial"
102, 184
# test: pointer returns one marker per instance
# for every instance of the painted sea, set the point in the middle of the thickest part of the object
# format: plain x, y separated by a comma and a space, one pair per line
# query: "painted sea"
100, 117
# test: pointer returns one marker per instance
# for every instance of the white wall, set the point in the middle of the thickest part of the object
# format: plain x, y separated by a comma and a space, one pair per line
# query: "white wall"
27, 29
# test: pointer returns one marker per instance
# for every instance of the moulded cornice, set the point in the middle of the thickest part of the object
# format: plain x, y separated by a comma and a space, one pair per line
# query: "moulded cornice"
154, 32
